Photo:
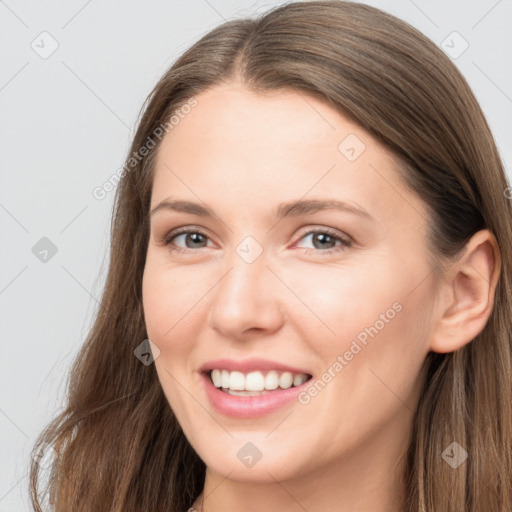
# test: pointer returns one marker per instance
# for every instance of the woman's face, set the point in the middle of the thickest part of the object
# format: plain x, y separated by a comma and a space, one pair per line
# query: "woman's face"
349, 305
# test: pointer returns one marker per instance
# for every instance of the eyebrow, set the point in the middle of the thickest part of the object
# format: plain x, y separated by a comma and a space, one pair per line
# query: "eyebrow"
287, 209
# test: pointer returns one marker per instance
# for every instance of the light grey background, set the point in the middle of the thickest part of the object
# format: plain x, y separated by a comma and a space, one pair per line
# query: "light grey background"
66, 124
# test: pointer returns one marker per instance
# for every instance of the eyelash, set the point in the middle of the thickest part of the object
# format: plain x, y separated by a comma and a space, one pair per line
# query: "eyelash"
345, 243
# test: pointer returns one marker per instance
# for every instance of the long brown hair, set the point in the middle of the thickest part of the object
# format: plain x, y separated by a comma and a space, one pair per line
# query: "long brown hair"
117, 444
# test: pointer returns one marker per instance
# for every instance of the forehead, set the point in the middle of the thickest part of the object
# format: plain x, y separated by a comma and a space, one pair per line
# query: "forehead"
241, 146
238, 117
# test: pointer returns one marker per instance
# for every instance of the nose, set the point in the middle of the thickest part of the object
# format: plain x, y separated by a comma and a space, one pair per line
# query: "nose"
247, 300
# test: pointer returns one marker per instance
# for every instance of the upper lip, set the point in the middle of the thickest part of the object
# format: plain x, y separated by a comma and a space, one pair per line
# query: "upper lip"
249, 365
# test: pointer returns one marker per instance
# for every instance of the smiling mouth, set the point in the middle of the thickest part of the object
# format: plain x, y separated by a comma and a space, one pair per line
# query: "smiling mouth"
255, 383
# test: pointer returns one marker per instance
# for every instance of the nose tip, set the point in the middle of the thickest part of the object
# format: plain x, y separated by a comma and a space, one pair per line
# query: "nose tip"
245, 299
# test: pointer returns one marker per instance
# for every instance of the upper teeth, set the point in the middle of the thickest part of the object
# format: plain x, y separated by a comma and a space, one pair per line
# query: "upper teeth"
256, 381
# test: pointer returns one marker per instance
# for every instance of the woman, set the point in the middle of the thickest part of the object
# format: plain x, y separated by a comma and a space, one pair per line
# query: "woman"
256, 371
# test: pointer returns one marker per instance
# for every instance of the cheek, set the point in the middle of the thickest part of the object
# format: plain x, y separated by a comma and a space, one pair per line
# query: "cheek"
171, 300
155, 303
382, 355
370, 327
335, 304
169, 313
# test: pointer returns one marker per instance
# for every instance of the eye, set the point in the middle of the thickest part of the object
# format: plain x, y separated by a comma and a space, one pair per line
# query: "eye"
194, 235
322, 239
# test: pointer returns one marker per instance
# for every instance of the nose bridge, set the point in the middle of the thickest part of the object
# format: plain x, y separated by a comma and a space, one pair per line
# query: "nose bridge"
246, 297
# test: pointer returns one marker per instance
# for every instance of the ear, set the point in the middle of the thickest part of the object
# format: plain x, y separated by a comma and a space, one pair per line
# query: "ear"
466, 294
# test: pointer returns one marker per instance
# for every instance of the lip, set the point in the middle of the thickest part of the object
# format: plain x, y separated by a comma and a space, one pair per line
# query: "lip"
249, 406
249, 365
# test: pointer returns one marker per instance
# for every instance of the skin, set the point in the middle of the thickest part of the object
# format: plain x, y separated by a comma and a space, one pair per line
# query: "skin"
242, 154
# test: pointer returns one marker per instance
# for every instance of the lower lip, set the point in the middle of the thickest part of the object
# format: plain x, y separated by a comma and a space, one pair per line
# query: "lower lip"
250, 406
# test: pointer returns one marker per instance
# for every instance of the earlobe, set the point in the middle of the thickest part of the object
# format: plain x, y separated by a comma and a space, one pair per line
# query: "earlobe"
468, 292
